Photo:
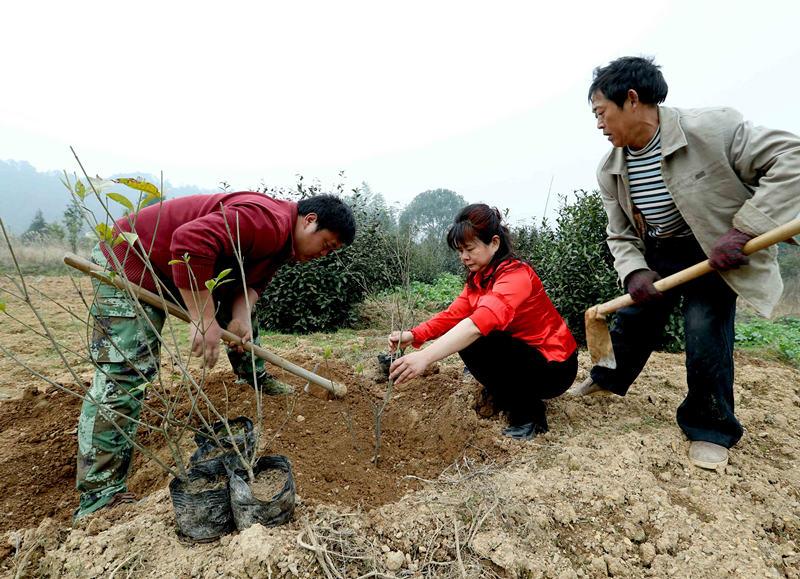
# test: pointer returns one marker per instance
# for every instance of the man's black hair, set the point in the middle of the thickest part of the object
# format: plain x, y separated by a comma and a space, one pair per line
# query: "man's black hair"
332, 213
630, 72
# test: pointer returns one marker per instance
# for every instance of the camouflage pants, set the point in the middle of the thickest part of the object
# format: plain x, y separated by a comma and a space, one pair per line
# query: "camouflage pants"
125, 349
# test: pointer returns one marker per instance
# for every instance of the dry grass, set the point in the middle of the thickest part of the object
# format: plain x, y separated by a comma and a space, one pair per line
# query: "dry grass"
468, 499
37, 258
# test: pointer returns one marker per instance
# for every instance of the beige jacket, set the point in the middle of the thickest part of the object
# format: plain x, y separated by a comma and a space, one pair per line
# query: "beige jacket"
722, 172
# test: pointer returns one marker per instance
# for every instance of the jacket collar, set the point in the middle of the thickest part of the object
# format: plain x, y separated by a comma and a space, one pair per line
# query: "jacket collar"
672, 139
672, 135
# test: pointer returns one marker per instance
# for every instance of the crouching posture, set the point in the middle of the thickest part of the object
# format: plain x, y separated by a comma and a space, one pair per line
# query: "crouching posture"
503, 326
189, 241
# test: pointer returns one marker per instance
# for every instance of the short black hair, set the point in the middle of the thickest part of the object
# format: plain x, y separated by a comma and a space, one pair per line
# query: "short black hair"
332, 214
630, 72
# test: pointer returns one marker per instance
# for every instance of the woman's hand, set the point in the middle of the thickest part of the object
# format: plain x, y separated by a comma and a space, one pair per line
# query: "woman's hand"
408, 367
398, 339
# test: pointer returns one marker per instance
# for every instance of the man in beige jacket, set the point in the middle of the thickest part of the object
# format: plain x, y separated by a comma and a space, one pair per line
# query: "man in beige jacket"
681, 186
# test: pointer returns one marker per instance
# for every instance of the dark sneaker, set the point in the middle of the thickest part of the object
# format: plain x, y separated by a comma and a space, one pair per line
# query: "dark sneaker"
274, 387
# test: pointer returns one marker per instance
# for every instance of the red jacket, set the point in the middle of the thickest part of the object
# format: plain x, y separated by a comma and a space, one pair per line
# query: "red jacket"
513, 302
196, 226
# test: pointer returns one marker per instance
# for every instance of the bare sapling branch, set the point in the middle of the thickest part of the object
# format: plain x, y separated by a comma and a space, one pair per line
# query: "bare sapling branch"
402, 308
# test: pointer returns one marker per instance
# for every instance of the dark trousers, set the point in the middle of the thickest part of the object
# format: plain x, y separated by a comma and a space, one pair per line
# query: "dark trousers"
709, 309
517, 375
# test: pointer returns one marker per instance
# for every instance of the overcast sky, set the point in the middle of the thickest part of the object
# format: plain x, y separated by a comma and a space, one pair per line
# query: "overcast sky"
485, 98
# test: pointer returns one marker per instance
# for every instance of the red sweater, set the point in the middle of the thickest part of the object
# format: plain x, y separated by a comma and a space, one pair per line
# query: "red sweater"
195, 225
513, 302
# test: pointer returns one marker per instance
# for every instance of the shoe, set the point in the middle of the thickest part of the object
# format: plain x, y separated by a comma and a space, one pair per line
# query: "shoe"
524, 431
707, 454
91, 503
121, 499
585, 388
271, 386
268, 384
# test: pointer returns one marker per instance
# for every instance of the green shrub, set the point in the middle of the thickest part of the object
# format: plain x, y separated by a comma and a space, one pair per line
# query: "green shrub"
438, 294
429, 297
429, 258
780, 337
322, 295
572, 259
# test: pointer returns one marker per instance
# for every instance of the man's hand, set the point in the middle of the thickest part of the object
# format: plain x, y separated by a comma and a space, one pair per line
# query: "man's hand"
407, 367
640, 285
243, 329
727, 251
205, 341
398, 339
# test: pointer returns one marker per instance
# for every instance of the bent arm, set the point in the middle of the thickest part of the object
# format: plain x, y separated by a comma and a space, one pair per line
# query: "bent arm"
200, 305
456, 339
242, 308
769, 161
623, 240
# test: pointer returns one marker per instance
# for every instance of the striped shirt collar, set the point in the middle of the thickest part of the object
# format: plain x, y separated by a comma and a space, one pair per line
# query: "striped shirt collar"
673, 139
655, 143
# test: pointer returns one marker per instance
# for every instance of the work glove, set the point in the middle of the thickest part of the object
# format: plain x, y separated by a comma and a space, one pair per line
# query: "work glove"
640, 285
727, 251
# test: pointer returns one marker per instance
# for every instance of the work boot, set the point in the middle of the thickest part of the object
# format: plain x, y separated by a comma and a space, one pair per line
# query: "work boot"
91, 503
268, 384
585, 388
707, 454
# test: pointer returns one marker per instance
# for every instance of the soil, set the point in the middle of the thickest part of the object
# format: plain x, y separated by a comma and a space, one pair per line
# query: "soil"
607, 492
268, 483
331, 449
38, 441
201, 485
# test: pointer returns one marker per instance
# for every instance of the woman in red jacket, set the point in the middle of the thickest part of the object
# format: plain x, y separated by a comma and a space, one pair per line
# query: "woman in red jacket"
503, 326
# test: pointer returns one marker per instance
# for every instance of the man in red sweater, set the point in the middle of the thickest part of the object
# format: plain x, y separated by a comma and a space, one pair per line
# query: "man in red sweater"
188, 241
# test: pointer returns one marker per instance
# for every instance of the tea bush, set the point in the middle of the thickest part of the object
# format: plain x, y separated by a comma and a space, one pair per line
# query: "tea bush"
322, 294
434, 296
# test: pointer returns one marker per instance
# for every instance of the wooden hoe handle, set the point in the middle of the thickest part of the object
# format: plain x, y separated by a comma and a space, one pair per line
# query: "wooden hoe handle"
763, 241
153, 299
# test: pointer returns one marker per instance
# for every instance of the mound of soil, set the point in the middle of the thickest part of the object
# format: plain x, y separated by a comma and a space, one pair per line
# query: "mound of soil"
38, 442
426, 426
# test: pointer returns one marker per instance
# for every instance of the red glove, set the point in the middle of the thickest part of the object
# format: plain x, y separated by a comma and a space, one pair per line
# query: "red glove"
727, 251
640, 285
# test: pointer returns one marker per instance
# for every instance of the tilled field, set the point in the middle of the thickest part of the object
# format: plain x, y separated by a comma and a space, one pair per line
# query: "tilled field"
607, 492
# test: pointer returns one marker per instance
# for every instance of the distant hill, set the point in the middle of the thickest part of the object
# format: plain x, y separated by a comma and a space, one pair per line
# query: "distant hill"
24, 190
